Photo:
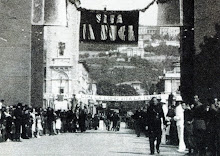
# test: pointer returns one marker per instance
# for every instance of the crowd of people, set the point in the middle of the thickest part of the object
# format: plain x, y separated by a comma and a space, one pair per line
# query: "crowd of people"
23, 121
194, 126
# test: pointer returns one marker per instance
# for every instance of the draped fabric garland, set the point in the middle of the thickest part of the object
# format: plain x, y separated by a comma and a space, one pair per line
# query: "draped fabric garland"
109, 26
162, 1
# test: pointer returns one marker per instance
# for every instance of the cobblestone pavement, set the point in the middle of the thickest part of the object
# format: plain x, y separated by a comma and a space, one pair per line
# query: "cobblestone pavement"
90, 143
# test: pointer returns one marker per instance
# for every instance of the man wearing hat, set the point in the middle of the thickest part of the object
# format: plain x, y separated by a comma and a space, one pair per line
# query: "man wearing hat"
179, 118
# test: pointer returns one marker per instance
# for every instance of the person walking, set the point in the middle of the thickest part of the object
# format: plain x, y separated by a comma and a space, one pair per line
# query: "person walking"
154, 116
138, 120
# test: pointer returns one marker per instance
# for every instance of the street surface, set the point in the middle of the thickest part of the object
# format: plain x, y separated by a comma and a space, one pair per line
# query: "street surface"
90, 143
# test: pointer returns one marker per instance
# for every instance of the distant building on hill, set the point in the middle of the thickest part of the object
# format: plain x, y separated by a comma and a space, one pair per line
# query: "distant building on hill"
132, 51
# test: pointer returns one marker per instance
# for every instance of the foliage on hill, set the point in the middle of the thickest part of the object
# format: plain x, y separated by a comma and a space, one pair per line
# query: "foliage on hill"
113, 72
107, 88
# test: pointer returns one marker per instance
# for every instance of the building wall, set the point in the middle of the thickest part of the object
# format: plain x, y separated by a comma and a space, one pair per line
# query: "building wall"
37, 65
168, 13
206, 77
61, 69
207, 14
15, 49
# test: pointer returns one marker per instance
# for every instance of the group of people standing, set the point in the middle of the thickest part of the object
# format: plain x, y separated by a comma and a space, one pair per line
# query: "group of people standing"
23, 121
194, 126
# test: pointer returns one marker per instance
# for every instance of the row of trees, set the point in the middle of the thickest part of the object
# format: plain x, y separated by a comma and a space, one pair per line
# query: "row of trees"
165, 37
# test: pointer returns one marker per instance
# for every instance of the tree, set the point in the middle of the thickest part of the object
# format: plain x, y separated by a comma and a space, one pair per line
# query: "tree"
86, 55
106, 88
125, 90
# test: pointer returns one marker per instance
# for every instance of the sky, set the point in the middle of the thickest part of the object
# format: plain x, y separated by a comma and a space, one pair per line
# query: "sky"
149, 17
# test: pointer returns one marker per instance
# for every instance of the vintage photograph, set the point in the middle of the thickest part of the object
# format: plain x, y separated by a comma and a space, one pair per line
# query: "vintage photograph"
109, 77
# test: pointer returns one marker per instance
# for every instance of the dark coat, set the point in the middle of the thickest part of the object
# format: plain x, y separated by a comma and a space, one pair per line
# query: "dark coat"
154, 115
18, 114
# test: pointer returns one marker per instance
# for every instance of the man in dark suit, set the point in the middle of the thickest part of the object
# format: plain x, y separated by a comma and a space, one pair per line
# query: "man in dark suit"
199, 126
138, 119
17, 121
154, 115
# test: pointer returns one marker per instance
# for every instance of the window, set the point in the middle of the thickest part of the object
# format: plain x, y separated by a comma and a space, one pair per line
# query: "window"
45, 72
61, 48
61, 90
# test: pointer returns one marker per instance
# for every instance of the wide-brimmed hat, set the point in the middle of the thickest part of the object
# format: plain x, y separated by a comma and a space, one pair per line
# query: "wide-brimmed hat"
179, 98
163, 101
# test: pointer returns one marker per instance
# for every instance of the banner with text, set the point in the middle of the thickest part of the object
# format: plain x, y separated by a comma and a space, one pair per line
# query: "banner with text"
109, 26
121, 98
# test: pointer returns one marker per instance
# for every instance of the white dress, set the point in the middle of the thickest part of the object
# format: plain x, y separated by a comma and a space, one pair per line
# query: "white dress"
179, 118
58, 123
34, 122
39, 124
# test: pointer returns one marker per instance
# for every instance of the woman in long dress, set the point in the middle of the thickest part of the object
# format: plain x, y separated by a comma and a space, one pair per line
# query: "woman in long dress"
58, 124
39, 126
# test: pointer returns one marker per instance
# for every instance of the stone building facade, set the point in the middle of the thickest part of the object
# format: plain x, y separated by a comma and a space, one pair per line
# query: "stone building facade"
61, 48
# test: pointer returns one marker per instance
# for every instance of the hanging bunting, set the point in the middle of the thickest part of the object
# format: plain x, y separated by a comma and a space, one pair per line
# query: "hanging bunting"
109, 26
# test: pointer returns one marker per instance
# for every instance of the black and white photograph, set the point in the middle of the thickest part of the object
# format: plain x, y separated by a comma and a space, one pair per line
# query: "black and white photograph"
109, 77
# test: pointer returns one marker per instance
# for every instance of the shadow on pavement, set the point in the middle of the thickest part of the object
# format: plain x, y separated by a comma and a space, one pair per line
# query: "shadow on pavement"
138, 153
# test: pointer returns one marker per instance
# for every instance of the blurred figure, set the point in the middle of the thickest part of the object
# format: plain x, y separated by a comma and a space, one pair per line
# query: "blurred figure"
58, 123
138, 120
164, 128
115, 120
39, 127
96, 121
199, 126
82, 120
8, 124
173, 136
213, 128
18, 120
50, 120
108, 121
179, 118
33, 125
188, 127
1, 103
